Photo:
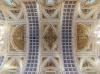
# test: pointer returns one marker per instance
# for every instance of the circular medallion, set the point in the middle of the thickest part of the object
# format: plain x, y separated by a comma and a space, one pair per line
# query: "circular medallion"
18, 38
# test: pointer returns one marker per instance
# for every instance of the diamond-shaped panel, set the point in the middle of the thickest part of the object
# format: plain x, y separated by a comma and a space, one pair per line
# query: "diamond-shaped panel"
50, 37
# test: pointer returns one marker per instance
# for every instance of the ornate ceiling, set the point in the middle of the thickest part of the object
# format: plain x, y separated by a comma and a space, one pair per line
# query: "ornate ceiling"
14, 35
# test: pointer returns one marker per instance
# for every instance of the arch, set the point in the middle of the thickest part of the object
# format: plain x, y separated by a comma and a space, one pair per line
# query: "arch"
54, 61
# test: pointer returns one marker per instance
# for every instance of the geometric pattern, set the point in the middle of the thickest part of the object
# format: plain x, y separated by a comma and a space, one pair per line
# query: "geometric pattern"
33, 43
50, 38
67, 51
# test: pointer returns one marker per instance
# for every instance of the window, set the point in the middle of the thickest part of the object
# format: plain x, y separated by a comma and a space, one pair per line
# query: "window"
50, 2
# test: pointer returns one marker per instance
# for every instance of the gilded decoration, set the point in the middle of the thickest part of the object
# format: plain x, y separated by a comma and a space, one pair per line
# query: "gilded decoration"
50, 37
17, 36
82, 36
